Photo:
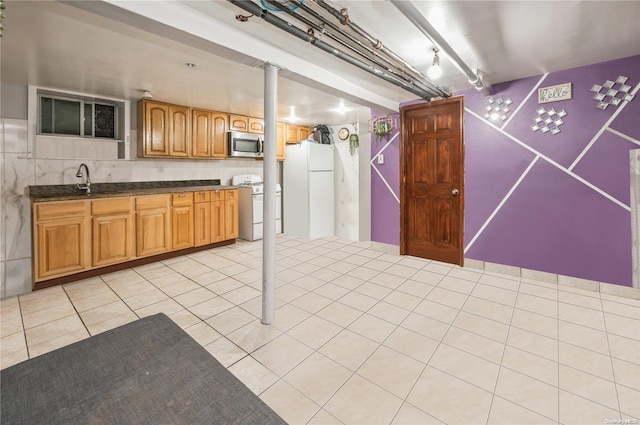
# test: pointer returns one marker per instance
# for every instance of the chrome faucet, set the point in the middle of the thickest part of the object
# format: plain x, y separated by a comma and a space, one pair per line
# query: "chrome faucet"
87, 185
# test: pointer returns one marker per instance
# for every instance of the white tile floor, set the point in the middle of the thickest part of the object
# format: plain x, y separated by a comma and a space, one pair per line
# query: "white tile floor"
362, 337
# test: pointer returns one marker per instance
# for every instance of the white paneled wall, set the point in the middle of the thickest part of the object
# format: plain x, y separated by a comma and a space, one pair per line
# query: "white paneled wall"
20, 170
346, 176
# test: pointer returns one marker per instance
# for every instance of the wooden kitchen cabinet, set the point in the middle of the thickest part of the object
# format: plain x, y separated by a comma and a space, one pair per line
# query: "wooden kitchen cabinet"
62, 238
182, 220
281, 151
202, 218
209, 134
218, 216
231, 214
113, 235
179, 131
153, 224
246, 124
296, 133
165, 130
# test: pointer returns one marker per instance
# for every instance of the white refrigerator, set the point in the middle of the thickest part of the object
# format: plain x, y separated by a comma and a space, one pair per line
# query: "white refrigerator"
307, 190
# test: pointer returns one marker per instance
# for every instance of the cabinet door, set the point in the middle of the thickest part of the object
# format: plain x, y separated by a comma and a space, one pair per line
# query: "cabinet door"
292, 133
202, 223
238, 123
179, 131
201, 134
217, 221
182, 227
63, 247
219, 137
256, 125
155, 129
304, 133
153, 232
112, 239
231, 214
281, 141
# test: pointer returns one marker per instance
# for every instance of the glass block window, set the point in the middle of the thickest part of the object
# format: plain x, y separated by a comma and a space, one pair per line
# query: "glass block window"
68, 115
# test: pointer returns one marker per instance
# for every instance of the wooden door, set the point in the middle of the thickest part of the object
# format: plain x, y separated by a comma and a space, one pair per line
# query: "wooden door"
179, 131
432, 170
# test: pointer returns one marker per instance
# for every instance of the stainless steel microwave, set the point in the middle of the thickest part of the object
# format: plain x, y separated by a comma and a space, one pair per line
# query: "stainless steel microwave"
247, 145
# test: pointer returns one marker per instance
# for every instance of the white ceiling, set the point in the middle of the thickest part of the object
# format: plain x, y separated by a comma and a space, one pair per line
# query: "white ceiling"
116, 48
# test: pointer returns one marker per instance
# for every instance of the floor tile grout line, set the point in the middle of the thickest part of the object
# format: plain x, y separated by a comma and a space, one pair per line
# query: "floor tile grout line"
613, 369
504, 349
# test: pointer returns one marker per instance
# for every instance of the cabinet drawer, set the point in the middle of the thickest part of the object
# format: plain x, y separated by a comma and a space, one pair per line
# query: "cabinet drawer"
110, 206
217, 195
231, 194
152, 202
202, 196
63, 209
182, 199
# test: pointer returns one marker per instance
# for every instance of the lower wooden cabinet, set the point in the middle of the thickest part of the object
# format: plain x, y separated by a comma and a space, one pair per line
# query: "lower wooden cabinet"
62, 239
74, 236
202, 218
112, 231
182, 220
153, 225
231, 214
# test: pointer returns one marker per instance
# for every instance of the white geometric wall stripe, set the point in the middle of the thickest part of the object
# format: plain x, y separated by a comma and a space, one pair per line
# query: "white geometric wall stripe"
373, 165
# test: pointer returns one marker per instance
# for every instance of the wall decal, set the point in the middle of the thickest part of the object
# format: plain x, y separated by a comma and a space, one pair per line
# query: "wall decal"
554, 93
548, 121
498, 108
612, 92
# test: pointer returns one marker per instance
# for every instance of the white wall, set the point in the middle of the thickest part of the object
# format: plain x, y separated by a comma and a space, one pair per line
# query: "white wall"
347, 192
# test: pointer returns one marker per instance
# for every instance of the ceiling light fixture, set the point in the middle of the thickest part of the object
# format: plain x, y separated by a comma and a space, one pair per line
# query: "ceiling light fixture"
292, 118
435, 71
190, 65
341, 109
146, 94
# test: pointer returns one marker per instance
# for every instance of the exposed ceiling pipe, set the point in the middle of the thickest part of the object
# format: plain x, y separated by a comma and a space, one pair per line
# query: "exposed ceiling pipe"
256, 10
343, 17
412, 14
351, 43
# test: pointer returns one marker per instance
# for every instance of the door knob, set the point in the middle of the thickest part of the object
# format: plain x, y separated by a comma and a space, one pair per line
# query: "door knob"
455, 192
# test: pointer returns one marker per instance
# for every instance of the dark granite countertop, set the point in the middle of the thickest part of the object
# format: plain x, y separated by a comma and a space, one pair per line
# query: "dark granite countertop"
62, 192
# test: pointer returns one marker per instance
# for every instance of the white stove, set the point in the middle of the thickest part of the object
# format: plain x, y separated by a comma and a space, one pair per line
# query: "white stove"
250, 201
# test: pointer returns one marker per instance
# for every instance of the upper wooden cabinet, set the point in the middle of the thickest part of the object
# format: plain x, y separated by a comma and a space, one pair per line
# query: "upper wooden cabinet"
246, 124
179, 131
209, 134
281, 150
296, 133
153, 128
165, 130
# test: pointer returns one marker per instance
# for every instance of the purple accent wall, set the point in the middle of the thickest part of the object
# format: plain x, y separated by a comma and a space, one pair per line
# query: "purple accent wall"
554, 203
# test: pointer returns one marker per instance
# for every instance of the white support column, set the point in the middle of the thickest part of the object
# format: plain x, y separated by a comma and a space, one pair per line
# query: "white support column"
270, 180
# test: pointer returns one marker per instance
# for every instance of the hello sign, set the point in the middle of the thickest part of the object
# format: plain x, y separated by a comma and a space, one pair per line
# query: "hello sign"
554, 93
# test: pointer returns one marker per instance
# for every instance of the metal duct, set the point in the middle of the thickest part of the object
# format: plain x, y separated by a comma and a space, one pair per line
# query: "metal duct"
269, 17
414, 15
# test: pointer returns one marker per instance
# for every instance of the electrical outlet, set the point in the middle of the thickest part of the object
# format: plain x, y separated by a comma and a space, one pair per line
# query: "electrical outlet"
381, 159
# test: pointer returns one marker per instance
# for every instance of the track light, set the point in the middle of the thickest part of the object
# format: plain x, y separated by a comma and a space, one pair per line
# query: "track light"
435, 71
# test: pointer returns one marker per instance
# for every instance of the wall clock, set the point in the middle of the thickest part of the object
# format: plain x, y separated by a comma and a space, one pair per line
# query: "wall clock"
343, 134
